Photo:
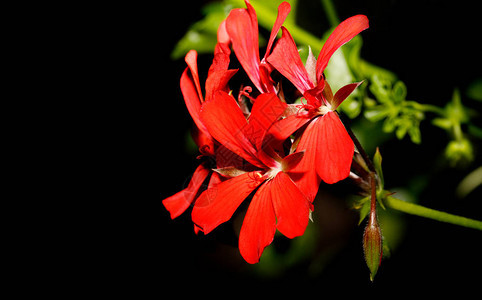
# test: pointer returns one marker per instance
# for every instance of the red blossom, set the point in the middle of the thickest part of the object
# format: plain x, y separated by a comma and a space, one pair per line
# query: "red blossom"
252, 149
242, 28
277, 203
329, 148
217, 79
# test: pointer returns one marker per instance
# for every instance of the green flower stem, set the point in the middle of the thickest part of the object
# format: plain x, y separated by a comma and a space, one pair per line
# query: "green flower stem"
330, 12
418, 210
459, 136
427, 108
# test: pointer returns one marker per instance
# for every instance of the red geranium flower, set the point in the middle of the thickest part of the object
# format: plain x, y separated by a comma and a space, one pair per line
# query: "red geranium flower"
242, 28
277, 202
329, 148
217, 79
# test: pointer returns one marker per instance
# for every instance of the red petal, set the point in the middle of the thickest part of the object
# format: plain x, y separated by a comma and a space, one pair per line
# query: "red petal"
178, 203
191, 61
267, 109
290, 205
216, 205
190, 93
227, 158
341, 35
242, 27
189, 88
283, 128
203, 140
259, 225
268, 84
292, 160
226, 123
343, 93
286, 59
218, 80
304, 173
215, 180
219, 75
314, 96
334, 158
223, 37
283, 11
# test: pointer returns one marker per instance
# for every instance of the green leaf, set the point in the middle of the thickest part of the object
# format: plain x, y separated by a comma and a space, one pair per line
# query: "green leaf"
389, 125
455, 109
202, 35
338, 72
443, 123
403, 126
201, 42
415, 134
381, 87
377, 113
399, 91
377, 162
351, 106
365, 209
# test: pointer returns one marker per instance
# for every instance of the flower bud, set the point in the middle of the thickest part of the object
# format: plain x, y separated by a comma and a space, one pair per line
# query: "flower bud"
459, 152
372, 245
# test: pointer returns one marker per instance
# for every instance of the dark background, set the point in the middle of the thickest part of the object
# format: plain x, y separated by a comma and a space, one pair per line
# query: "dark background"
434, 47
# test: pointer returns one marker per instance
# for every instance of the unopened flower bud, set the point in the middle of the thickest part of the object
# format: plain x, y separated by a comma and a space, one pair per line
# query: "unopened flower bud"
459, 151
372, 245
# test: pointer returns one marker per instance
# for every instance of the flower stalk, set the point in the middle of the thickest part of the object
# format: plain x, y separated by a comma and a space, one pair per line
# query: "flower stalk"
421, 211
362, 162
330, 12
372, 238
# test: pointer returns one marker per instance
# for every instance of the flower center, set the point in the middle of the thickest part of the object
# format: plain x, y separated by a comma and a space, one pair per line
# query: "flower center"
323, 110
271, 173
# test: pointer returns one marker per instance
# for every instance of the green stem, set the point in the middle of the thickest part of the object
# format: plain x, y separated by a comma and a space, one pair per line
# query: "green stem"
427, 108
418, 210
330, 12
458, 131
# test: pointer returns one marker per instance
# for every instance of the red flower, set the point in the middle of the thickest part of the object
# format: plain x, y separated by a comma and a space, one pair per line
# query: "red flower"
329, 148
277, 202
217, 79
242, 28
250, 154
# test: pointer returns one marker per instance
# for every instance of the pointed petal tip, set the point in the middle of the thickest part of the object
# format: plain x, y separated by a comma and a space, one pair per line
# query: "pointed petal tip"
343, 93
286, 59
343, 33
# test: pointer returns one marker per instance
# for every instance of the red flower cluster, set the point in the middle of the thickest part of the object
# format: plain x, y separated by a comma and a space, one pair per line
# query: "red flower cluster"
263, 147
